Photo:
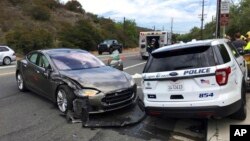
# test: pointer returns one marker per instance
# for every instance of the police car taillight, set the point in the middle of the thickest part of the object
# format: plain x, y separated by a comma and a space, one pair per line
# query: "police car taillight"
222, 76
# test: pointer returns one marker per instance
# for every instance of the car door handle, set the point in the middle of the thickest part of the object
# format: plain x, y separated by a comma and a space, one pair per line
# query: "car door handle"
37, 71
25, 65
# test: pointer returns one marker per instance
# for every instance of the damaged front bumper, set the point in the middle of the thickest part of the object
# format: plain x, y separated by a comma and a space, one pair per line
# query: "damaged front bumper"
125, 116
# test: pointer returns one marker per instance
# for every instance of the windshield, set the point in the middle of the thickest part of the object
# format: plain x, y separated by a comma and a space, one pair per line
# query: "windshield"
76, 61
109, 41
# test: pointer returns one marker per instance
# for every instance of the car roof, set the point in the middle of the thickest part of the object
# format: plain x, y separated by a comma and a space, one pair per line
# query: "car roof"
192, 44
62, 51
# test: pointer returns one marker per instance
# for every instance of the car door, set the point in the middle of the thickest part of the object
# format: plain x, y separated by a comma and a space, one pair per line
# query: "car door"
29, 71
43, 80
240, 59
1, 54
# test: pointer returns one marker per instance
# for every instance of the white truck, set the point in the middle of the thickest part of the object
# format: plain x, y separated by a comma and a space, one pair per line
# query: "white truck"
163, 38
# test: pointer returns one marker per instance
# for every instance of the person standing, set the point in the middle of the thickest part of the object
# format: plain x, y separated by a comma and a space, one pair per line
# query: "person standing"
238, 43
151, 46
247, 48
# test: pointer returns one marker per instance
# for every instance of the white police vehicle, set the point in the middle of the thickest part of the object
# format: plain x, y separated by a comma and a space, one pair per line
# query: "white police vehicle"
202, 79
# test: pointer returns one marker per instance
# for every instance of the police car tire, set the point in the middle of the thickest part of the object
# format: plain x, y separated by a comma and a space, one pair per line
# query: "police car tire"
241, 114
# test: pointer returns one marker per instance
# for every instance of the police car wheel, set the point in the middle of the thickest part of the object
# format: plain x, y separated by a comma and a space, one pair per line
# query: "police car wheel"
241, 114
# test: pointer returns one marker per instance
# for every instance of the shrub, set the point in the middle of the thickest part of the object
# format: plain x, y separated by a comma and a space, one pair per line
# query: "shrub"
40, 13
24, 40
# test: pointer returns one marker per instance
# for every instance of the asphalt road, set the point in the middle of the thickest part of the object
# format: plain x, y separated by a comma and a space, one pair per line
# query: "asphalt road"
29, 117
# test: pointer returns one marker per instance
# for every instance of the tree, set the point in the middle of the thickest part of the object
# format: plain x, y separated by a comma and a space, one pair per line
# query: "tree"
83, 35
74, 5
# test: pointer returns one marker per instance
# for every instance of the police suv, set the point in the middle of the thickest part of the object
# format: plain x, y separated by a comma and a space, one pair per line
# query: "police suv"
201, 79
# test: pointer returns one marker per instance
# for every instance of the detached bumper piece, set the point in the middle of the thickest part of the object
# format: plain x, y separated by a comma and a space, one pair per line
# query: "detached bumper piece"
123, 117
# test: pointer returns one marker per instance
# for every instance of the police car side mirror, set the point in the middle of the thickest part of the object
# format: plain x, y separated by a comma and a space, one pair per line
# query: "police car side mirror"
241, 52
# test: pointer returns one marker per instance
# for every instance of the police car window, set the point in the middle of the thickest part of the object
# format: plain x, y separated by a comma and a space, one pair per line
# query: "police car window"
233, 49
222, 54
197, 57
33, 57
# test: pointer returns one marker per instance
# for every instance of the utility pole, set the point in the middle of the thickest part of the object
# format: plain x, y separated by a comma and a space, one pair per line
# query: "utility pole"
172, 20
217, 33
202, 19
124, 20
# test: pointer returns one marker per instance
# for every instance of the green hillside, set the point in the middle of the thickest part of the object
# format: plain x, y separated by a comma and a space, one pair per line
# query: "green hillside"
26, 25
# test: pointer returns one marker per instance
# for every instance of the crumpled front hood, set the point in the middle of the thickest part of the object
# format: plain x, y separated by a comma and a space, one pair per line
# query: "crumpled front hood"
105, 79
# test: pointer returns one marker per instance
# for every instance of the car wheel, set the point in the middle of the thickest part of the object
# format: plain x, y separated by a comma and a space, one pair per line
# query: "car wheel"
144, 57
64, 98
241, 114
99, 52
111, 50
6, 61
20, 82
120, 50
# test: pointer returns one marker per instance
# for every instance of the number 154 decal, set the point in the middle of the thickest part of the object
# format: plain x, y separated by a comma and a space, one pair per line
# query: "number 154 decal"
205, 95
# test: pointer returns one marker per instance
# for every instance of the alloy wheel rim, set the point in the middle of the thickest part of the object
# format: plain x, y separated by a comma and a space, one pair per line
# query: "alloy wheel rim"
61, 101
7, 61
20, 81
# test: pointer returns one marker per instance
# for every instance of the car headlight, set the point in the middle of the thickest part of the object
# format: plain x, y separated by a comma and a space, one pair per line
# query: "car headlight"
86, 92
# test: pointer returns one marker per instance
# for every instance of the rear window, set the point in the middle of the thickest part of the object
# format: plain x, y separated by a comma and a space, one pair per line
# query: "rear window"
3, 49
188, 58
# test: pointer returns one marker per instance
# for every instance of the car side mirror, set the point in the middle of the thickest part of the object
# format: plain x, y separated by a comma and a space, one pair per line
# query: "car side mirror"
241, 52
48, 71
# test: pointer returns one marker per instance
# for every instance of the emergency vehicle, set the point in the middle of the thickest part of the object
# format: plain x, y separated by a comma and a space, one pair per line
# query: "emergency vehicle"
201, 79
163, 38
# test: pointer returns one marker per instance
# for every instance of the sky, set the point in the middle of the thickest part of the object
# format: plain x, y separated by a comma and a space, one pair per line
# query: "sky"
186, 14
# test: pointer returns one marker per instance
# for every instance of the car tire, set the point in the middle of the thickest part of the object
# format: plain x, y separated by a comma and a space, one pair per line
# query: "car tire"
110, 50
144, 57
64, 98
20, 82
6, 61
120, 50
241, 114
99, 52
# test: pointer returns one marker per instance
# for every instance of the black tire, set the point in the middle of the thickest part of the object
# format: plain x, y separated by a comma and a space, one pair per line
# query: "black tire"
144, 57
20, 82
6, 60
99, 52
110, 50
241, 114
120, 50
66, 93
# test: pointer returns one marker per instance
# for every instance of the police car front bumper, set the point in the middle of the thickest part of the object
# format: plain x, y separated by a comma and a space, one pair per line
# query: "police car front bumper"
194, 112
